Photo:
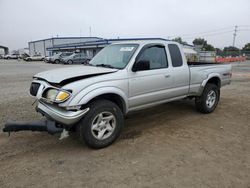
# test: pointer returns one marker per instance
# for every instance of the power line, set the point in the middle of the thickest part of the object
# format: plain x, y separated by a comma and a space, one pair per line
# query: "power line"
244, 30
204, 32
211, 34
243, 25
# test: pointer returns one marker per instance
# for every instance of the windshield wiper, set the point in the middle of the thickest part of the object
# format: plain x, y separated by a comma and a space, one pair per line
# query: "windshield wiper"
106, 65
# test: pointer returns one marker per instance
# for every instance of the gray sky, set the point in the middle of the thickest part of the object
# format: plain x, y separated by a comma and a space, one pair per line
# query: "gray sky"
25, 20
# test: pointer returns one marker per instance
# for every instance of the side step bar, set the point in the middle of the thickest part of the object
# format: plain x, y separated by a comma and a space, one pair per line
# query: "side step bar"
41, 125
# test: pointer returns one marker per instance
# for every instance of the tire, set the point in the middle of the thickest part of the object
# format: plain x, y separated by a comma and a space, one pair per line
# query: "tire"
69, 62
88, 129
57, 61
209, 99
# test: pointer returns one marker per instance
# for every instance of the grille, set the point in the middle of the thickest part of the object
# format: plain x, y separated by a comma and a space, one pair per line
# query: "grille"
34, 88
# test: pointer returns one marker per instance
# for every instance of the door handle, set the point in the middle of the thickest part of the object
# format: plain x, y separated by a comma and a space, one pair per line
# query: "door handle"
166, 75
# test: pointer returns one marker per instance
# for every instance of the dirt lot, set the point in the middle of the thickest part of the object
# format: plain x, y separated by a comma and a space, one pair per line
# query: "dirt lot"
171, 145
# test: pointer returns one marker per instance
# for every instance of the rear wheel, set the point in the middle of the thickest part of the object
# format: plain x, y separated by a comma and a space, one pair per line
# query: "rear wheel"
209, 99
102, 125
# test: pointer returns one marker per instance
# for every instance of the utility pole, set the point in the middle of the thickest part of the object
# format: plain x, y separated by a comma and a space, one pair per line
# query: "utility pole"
234, 35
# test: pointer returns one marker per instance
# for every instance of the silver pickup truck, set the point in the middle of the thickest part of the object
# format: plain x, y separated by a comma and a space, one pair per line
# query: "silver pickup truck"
123, 77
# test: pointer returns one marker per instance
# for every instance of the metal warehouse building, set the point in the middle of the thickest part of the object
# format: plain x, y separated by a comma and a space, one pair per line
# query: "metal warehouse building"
40, 46
88, 45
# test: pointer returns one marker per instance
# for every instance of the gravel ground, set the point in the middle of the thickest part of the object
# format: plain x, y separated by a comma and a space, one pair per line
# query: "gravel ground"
171, 145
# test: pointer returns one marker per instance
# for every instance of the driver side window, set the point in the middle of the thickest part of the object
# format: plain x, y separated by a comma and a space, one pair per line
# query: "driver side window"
156, 55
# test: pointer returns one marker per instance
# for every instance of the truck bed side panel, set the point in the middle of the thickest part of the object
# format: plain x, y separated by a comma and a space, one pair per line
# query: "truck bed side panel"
201, 73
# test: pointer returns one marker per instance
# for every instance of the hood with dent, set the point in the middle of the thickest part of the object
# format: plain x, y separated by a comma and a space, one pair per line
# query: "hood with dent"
71, 74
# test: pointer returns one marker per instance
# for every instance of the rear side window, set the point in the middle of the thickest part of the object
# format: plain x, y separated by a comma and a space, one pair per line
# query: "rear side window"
175, 55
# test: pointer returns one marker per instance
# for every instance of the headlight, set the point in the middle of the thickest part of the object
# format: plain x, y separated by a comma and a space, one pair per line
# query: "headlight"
56, 95
51, 94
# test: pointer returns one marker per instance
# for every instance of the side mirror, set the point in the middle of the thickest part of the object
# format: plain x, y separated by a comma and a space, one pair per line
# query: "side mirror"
141, 66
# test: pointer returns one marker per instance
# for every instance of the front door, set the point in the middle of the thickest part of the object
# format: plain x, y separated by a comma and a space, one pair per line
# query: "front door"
150, 86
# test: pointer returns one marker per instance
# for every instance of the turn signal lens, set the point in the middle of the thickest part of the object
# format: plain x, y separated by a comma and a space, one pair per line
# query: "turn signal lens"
62, 96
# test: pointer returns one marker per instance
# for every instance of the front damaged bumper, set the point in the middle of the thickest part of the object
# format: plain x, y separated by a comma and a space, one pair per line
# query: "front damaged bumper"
41, 126
57, 120
60, 115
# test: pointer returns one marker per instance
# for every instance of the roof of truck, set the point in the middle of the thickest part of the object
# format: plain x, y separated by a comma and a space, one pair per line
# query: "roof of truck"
142, 41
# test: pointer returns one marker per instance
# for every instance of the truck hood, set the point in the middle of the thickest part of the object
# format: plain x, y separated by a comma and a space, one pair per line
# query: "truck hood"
67, 75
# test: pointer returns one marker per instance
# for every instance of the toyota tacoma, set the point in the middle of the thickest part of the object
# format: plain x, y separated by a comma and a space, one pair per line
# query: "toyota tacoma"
123, 77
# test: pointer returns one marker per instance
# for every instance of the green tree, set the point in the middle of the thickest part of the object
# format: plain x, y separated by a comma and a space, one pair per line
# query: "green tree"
209, 47
231, 51
231, 48
202, 42
199, 41
246, 47
179, 40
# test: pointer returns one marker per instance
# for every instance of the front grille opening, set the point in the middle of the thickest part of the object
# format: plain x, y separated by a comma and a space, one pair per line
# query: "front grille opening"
34, 88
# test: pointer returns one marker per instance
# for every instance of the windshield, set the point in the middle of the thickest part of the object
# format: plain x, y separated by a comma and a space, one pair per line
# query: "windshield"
116, 56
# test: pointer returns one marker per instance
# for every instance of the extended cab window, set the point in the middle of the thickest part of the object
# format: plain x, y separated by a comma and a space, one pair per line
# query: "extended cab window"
175, 55
156, 55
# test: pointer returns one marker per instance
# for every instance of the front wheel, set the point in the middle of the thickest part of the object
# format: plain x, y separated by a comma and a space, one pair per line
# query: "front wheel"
70, 62
57, 61
102, 125
209, 99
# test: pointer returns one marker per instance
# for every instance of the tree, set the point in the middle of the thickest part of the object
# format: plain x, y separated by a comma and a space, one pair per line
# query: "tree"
203, 43
246, 47
179, 40
199, 41
231, 48
209, 47
231, 51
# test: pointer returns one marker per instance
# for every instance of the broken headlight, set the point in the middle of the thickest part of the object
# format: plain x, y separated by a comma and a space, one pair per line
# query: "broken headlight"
56, 95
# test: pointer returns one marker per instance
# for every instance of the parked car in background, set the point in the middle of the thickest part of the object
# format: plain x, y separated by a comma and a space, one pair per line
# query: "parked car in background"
11, 56
35, 58
57, 57
76, 58
24, 56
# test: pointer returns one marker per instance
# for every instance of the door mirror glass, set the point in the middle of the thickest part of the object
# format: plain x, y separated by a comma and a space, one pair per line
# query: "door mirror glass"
141, 65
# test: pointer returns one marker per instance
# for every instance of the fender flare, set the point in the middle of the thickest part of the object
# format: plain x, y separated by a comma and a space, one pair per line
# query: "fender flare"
101, 91
204, 82
212, 75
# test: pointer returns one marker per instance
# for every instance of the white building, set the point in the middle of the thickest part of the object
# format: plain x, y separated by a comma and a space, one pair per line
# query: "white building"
40, 46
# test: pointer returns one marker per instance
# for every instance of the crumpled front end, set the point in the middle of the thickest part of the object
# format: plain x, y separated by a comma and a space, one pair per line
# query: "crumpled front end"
60, 115
50, 107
